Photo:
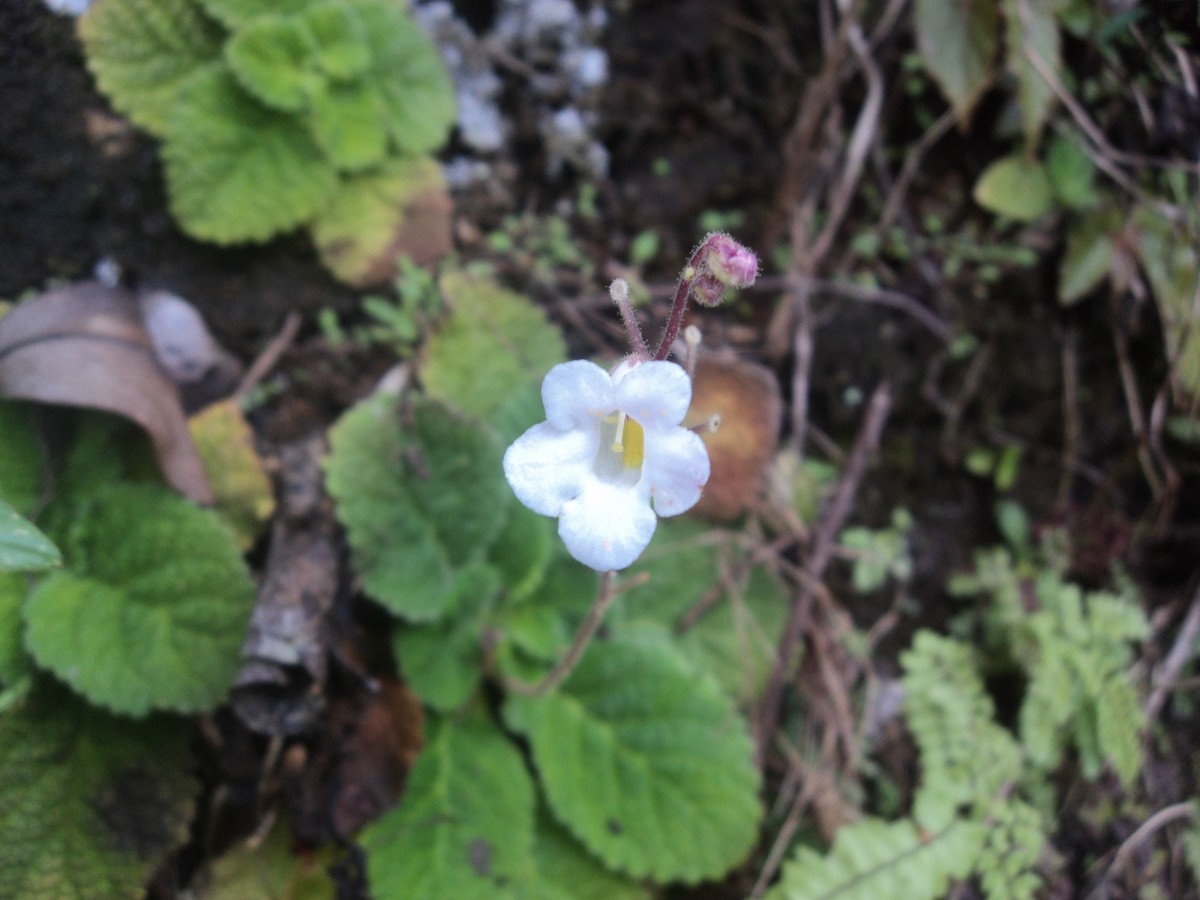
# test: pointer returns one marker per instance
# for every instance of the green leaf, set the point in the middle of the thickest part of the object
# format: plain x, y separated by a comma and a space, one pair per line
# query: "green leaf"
1007, 863
278, 868
958, 42
566, 871
90, 805
376, 216
876, 860
417, 96
237, 171
443, 661
523, 550
348, 125
966, 756
650, 769
13, 659
1032, 28
493, 343
542, 623
20, 458
341, 40
275, 59
1015, 188
1089, 256
422, 495
1172, 265
736, 640
464, 828
22, 547
153, 609
142, 51
236, 13
1072, 173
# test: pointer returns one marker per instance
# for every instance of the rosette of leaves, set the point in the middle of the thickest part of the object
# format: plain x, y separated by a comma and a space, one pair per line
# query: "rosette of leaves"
272, 111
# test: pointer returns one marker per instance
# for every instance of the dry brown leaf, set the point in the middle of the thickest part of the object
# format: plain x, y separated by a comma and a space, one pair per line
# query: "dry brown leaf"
84, 345
746, 397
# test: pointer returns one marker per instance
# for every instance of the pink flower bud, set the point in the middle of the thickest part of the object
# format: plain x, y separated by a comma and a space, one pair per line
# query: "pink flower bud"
730, 262
707, 289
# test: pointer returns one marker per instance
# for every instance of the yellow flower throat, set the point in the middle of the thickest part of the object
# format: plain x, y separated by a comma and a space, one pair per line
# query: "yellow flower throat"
629, 440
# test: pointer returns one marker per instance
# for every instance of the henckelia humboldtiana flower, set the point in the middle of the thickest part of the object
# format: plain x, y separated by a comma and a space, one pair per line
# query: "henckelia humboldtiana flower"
610, 446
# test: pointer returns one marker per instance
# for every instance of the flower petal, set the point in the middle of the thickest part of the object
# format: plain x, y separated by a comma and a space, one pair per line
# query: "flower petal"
656, 394
576, 394
546, 467
607, 526
675, 470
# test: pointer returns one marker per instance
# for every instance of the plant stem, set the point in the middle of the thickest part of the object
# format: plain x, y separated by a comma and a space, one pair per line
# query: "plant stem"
565, 666
679, 305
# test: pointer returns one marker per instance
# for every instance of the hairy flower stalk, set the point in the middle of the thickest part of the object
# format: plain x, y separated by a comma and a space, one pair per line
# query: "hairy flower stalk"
612, 455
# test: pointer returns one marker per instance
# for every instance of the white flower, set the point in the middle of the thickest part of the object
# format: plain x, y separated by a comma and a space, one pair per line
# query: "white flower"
611, 444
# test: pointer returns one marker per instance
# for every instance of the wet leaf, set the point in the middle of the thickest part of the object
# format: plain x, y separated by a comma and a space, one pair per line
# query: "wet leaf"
85, 346
242, 494
399, 209
90, 805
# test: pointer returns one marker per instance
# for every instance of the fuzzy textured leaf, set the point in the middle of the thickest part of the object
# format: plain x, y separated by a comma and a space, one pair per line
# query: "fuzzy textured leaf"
275, 59
340, 38
401, 208
13, 590
876, 860
566, 871
90, 805
958, 41
416, 92
236, 13
442, 662
493, 341
153, 608
422, 495
237, 171
23, 548
347, 123
142, 51
736, 640
650, 769
464, 828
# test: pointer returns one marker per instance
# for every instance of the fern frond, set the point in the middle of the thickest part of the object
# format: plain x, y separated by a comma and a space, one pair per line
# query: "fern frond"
966, 757
1006, 863
877, 860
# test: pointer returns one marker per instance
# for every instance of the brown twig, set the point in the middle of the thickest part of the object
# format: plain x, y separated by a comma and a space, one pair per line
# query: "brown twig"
824, 544
1166, 676
270, 355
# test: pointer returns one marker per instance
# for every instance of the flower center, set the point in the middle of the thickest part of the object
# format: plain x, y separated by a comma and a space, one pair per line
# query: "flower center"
622, 450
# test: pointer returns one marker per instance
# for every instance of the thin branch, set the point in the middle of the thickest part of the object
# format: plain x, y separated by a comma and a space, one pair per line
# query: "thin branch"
824, 544
1166, 676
